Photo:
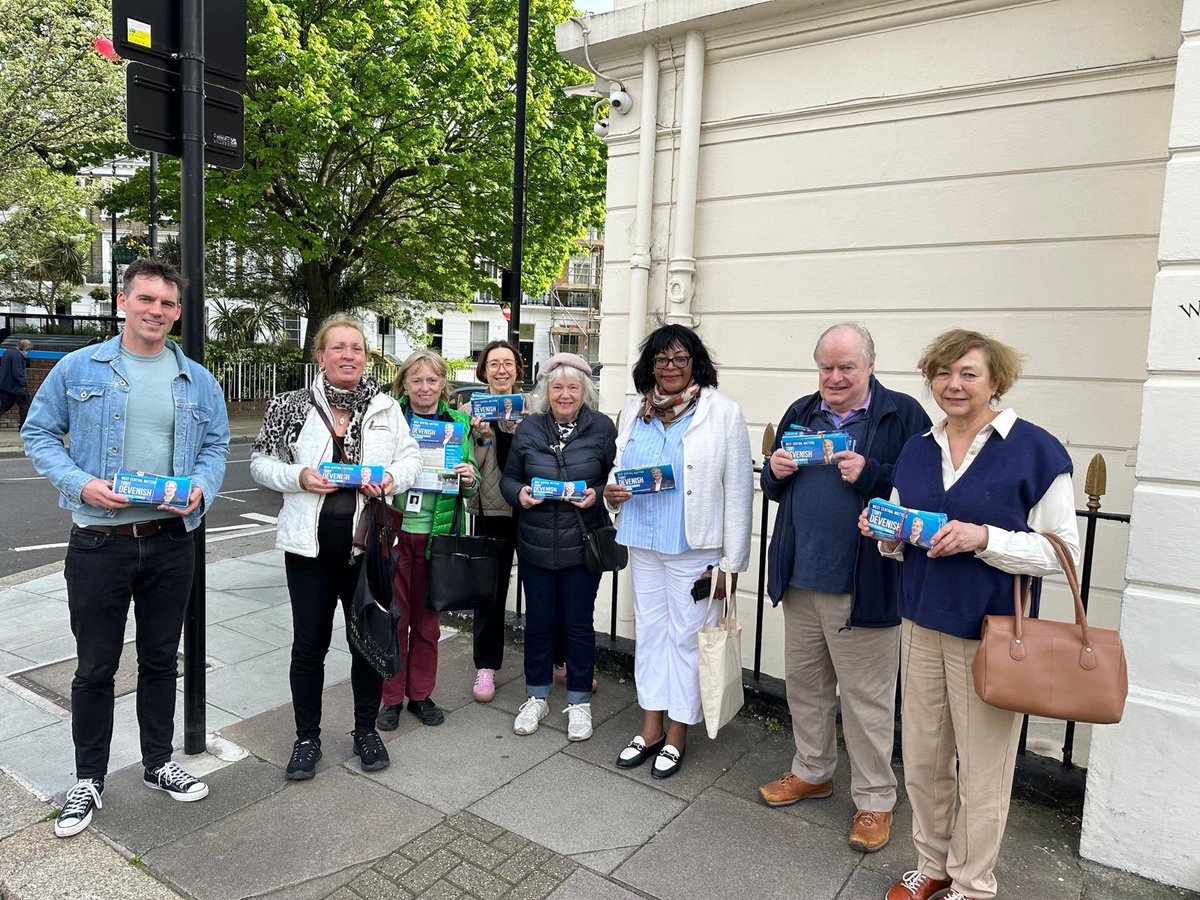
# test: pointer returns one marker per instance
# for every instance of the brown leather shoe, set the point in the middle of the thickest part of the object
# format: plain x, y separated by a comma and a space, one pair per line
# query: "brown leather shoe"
915, 886
788, 789
870, 831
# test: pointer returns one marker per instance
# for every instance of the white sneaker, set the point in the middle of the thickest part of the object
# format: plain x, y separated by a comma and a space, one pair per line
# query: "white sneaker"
530, 715
579, 721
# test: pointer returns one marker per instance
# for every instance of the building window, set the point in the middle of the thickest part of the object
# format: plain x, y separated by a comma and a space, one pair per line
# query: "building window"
527, 331
569, 343
434, 333
479, 338
291, 325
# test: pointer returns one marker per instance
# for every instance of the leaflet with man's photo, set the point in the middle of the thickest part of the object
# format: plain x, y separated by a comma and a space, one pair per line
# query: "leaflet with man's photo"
153, 490
347, 475
647, 479
441, 450
816, 448
899, 523
497, 407
546, 489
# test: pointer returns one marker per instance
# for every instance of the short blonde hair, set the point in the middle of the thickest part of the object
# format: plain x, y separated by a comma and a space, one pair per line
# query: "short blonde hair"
425, 357
1004, 363
539, 400
337, 320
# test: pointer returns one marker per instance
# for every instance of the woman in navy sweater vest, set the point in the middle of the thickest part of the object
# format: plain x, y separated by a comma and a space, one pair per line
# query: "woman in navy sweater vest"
1000, 480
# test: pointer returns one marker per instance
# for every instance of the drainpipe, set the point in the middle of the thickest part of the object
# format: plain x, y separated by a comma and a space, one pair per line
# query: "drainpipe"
639, 260
681, 269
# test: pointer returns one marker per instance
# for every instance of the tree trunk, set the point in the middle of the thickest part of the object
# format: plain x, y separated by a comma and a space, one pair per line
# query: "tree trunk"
323, 294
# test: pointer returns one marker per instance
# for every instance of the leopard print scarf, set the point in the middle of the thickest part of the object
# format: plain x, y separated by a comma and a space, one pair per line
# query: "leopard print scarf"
287, 413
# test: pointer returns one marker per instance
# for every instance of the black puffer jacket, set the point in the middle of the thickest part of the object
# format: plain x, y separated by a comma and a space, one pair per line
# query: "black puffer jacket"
548, 534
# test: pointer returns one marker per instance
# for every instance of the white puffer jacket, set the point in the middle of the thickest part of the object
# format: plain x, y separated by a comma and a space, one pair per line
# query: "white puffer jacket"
718, 506
386, 442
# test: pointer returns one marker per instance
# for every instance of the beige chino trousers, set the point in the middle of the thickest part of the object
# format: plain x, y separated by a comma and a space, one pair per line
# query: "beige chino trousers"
824, 658
959, 755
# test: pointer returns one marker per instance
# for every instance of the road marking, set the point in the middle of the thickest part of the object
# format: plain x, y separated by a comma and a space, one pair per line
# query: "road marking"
239, 536
239, 491
25, 478
259, 517
231, 528
38, 547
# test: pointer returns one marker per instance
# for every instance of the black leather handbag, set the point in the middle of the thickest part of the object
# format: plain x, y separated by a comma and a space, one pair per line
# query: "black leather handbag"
601, 552
371, 625
463, 568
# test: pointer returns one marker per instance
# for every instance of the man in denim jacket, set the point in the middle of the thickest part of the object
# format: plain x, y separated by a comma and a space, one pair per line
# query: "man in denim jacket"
133, 402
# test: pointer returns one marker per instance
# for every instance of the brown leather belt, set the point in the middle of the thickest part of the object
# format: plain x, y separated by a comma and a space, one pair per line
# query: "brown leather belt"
140, 529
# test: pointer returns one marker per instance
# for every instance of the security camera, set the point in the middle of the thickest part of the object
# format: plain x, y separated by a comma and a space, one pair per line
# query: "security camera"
620, 102
601, 128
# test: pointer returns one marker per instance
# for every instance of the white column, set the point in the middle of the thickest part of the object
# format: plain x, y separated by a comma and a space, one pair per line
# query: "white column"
1143, 777
643, 222
681, 269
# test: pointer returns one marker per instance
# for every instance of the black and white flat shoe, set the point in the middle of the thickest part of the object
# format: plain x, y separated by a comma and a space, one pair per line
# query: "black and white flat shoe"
638, 751
667, 762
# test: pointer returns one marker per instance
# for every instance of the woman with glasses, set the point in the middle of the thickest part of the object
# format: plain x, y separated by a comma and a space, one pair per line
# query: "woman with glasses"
676, 534
501, 369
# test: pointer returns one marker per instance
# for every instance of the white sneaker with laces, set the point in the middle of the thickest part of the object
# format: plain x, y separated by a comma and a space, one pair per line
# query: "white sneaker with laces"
579, 721
82, 800
174, 779
530, 715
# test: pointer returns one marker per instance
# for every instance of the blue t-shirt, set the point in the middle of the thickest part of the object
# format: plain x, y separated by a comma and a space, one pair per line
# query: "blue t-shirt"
655, 521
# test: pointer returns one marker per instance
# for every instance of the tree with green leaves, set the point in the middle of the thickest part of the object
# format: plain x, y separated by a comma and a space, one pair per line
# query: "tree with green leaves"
378, 148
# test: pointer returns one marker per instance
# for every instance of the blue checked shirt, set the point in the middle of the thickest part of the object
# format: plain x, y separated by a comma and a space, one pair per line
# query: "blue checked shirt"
655, 521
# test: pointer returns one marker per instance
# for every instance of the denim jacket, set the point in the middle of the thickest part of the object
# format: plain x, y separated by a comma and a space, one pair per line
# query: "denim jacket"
85, 396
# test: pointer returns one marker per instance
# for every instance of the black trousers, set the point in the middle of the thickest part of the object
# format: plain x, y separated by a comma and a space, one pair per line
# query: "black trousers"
489, 620
104, 572
22, 403
316, 586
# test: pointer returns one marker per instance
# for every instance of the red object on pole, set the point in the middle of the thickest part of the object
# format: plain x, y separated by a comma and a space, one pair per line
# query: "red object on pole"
104, 46
507, 313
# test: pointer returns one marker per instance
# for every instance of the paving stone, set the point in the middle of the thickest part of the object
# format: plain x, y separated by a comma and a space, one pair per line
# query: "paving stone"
140, 819
11, 662
468, 757
604, 861
1034, 833
610, 698
482, 830
456, 672
749, 853
344, 894
584, 885
272, 624
55, 581
429, 843
423, 876
223, 606
394, 866
316, 888
476, 852
248, 852
18, 807
476, 882
55, 649
442, 890
40, 619
231, 646
535, 887
259, 684
18, 715
272, 595
370, 885
867, 884
1103, 883
526, 861
574, 807
240, 574
507, 842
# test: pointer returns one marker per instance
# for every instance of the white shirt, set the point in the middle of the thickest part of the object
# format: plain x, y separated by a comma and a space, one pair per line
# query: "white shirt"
1015, 552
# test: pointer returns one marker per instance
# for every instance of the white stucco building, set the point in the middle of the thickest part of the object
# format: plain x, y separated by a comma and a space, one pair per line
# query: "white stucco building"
1027, 168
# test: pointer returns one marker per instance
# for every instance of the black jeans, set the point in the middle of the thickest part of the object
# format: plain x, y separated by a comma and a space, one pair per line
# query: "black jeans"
103, 572
489, 620
559, 602
315, 586
21, 400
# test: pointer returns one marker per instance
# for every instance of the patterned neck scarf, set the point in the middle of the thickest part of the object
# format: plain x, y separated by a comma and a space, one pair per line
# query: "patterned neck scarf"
668, 407
355, 402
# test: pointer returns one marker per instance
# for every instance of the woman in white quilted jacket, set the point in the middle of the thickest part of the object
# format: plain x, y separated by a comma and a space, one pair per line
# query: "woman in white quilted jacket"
342, 418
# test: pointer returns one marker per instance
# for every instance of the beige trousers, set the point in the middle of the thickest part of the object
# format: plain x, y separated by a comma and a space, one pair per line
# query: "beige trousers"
959, 755
822, 658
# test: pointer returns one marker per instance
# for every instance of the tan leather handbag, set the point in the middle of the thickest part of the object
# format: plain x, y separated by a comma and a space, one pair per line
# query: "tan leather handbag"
1058, 670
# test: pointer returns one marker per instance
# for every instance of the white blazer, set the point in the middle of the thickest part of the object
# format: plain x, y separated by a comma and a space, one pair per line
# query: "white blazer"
386, 442
719, 499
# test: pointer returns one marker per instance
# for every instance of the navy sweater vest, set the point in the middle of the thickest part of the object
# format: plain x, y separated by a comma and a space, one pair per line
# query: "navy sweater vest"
1010, 475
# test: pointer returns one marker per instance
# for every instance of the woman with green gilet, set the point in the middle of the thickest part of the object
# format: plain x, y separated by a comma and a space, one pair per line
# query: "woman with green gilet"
423, 388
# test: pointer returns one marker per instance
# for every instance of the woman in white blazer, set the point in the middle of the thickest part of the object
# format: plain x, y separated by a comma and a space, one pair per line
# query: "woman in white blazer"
317, 522
677, 534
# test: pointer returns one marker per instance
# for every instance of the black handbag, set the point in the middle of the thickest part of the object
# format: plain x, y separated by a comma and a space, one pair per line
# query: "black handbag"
463, 568
601, 552
373, 618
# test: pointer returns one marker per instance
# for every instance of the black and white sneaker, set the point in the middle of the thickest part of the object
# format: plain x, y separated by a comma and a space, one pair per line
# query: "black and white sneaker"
173, 778
368, 747
82, 800
303, 764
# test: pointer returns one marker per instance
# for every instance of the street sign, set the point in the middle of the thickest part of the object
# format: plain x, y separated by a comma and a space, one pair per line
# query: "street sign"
148, 31
153, 116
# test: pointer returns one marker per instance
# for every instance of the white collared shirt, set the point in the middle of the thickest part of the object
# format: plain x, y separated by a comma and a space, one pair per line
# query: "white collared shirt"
1016, 552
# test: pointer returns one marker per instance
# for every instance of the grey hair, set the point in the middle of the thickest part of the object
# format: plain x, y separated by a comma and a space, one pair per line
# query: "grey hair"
24, 345
539, 401
868, 343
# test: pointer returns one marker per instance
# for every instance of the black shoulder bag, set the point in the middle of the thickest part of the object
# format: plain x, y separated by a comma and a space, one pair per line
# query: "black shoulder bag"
463, 568
601, 552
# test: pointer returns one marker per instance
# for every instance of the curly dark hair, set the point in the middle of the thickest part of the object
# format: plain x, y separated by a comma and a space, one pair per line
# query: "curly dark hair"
704, 373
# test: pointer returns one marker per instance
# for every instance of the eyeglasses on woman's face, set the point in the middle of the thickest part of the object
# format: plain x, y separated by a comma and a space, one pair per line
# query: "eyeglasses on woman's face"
678, 362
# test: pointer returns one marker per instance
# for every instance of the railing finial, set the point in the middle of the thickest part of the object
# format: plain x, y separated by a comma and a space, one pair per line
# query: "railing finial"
768, 440
1095, 483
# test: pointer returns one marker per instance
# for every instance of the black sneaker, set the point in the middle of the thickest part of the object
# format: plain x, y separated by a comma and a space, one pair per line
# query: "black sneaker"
389, 718
369, 748
82, 800
303, 764
427, 711
174, 779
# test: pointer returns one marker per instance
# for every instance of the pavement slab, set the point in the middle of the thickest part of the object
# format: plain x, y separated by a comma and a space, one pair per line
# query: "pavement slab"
33, 622
571, 806
584, 885
456, 672
229, 646
472, 754
242, 575
18, 807
222, 606
611, 697
261, 683
723, 846
19, 716
12, 662
140, 820
47, 584
35, 865
305, 831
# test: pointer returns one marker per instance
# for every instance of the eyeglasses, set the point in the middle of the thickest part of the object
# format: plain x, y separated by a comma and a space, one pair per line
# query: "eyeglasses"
496, 364
679, 362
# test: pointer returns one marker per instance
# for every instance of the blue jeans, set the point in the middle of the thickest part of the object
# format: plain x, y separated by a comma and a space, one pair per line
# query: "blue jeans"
562, 599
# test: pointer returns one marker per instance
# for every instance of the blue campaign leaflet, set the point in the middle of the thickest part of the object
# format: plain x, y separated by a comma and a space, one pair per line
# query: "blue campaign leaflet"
154, 490
899, 523
815, 448
647, 479
441, 446
496, 407
348, 475
545, 489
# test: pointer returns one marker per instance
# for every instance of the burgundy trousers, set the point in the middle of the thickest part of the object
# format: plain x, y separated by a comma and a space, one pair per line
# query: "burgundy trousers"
419, 628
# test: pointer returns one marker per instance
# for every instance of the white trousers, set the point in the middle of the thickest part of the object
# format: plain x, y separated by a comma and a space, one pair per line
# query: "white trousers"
668, 624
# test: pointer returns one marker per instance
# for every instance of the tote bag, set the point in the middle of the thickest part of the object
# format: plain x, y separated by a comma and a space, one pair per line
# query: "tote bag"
463, 569
371, 624
721, 694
